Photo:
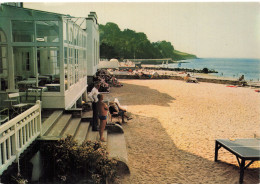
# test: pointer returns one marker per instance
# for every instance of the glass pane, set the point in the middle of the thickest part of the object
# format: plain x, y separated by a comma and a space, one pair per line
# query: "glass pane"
75, 36
47, 31
23, 31
65, 39
71, 36
85, 62
66, 66
2, 36
25, 69
65, 54
49, 71
3, 52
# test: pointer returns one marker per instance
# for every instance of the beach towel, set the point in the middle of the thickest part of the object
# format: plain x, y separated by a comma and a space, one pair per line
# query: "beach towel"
232, 86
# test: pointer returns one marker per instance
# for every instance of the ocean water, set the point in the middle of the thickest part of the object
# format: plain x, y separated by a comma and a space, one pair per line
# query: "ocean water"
226, 67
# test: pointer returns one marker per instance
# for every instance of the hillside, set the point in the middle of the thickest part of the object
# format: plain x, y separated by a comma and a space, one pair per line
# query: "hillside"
182, 55
128, 44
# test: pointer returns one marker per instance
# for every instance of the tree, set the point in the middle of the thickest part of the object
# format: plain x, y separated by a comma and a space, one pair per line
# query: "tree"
128, 44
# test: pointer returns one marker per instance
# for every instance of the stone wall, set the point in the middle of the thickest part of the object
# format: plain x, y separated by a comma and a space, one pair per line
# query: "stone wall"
218, 81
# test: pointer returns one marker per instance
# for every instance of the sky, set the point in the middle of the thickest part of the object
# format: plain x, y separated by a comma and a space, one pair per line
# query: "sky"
206, 29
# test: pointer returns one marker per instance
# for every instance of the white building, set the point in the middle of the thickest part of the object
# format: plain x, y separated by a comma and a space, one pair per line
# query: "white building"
92, 45
49, 51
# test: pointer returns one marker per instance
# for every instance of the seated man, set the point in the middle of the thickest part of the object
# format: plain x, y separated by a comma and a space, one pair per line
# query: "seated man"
242, 81
102, 115
115, 110
188, 78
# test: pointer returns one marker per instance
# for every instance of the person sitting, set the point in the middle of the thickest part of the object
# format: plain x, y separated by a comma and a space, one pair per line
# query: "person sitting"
115, 110
123, 108
102, 115
188, 78
242, 81
115, 82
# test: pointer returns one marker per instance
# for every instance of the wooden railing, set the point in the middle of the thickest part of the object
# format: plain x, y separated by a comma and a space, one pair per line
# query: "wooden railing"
17, 134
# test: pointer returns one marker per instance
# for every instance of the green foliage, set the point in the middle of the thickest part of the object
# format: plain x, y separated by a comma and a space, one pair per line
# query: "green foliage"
177, 55
69, 159
128, 44
19, 179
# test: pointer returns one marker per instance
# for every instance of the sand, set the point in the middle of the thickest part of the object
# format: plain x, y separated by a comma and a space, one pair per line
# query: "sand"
172, 136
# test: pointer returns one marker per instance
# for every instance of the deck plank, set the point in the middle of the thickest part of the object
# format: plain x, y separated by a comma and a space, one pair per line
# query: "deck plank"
60, 126
82, 132
72, 127
50, 121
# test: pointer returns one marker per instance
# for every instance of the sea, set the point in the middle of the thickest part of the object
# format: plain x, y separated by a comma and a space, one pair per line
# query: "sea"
226, 67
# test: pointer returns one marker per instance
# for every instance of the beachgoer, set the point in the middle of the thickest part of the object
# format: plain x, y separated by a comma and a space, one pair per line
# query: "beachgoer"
242, 81
115, 82
115, 110
241, 78
93, 96
102, 114
188, 78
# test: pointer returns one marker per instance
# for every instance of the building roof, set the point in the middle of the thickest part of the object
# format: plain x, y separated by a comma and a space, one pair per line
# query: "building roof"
22, 13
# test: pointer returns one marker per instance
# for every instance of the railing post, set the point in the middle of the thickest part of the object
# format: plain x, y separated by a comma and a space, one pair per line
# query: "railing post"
15, 145
39, 118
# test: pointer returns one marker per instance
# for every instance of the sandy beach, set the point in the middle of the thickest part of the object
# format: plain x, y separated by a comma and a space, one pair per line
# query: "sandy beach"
171, 138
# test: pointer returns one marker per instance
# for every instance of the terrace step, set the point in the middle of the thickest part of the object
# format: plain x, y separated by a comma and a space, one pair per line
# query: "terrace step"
92, 135
116, 146
82, 132
76, 112
50, 121
72, 127
60, 126
87, 116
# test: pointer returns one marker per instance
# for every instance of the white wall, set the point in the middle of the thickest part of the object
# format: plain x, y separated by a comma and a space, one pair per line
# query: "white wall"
92, 44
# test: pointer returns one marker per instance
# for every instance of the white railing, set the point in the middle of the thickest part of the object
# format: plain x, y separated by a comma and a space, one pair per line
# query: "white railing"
17, 134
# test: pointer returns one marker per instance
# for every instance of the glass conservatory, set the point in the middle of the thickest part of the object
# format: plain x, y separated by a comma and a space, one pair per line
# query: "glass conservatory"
42, 50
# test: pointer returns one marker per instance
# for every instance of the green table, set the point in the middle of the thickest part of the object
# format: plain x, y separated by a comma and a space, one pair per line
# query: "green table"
243, 149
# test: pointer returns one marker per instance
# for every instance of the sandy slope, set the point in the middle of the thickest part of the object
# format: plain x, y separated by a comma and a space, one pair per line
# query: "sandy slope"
172, 136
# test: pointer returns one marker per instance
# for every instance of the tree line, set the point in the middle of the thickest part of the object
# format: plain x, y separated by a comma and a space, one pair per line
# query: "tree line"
128, 44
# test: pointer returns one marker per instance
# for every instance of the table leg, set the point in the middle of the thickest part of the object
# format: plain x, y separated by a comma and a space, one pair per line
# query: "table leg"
216, 151
242, 169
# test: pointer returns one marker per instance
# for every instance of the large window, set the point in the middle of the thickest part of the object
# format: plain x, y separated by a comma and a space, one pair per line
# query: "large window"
2, 36
3, 61
47, 31
23, 31
25, 67
49, 71
3, 54
3, 64
3, 68
70, 67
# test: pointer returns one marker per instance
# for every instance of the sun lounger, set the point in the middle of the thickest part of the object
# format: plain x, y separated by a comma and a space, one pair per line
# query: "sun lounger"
243, 149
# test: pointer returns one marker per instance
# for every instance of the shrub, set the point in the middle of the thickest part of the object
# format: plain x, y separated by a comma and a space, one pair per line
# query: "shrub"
70, 159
